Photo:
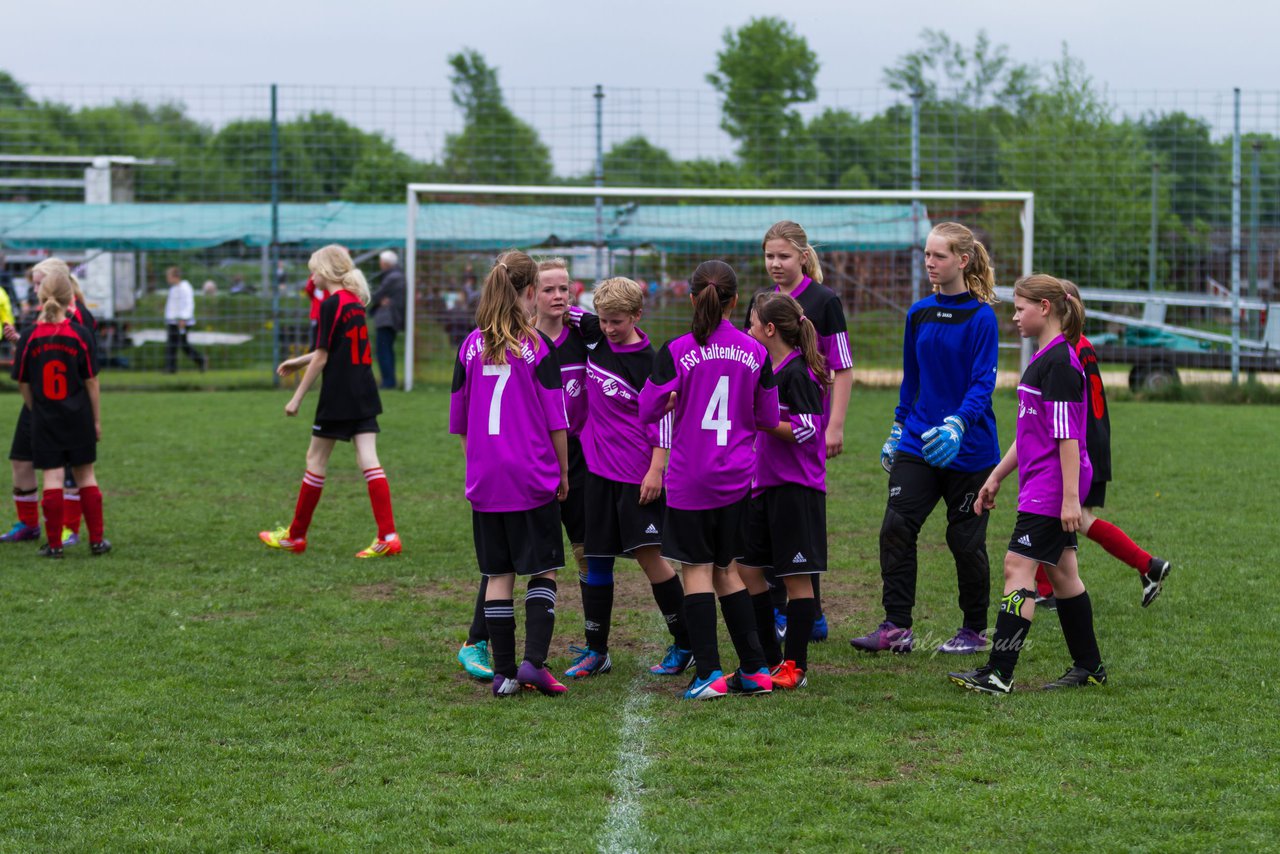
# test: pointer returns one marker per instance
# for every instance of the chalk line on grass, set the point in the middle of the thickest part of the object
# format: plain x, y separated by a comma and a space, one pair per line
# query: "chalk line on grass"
624, 831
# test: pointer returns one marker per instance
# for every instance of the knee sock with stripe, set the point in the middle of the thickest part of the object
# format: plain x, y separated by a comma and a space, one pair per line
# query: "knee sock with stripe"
597, 602
380, 499
71, 510
500, 617
308, 498
539, 619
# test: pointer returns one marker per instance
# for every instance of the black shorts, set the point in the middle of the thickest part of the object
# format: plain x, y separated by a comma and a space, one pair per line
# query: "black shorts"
524, 542
344, 431
20, 451
52, 456
712, 536
573, 512
617, 523
1041, 538
786, 531
1097, 496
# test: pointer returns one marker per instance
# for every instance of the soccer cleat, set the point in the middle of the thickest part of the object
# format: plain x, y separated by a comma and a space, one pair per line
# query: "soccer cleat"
787, 675
966, 642
1079, 677
1154, 578
780, 625
20, 533
474, 658
886, 636
505, 686
1049, 603
381, 548
70, 538
539, 679
819, 633
711, 688
99, 548
279, 539
47, 550
588, 663
674, 662
750, 684
984, 680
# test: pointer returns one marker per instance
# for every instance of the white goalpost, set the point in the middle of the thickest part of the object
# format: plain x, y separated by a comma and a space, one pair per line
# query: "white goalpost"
594, 226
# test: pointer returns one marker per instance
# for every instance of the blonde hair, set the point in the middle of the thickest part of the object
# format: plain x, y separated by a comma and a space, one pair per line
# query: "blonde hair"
56, 290
556, 263
333, 264
795, 235
58, 267
500, 315
619, 294
979, 275
1064, 304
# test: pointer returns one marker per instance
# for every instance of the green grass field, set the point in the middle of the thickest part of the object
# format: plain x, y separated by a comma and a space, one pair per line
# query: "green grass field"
192, 691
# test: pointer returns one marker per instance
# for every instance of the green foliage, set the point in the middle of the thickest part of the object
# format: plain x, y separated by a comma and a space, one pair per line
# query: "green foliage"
636, 162
976, 77
495, 146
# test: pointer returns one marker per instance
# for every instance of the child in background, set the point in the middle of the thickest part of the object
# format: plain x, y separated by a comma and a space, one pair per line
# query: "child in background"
1052, 460
508, 408
349, 404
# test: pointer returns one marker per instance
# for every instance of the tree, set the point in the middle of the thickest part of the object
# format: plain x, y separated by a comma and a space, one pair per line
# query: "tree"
977, 77
494, 146
762, 70
636, 162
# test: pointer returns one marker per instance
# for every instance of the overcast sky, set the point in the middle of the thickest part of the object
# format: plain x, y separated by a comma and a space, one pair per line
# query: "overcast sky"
1190, 53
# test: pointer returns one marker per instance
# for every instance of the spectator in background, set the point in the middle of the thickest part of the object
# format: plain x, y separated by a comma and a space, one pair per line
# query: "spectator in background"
179, 316
388, 315
6, 284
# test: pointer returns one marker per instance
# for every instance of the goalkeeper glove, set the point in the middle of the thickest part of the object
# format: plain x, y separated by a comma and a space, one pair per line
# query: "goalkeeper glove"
942, 444
890, 448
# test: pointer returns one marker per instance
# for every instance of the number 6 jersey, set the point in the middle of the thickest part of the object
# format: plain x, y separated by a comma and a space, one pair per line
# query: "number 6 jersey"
348, 391
507, 412
724, 393
55, 359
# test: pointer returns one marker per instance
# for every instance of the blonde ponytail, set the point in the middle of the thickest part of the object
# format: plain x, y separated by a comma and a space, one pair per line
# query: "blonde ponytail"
979, 275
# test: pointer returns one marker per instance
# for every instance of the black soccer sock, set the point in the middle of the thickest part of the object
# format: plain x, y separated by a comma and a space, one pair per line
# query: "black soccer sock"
800, 617
740, 619
669, 595
700, 614
817, 596
1076, 616
762, 605
597, 613
1011, 632
500, 619
479, 632
539, 619
777, 590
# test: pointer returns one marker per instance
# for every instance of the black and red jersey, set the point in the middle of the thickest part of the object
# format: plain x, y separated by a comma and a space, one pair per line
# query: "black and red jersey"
348, 391
1098, 430
56, 360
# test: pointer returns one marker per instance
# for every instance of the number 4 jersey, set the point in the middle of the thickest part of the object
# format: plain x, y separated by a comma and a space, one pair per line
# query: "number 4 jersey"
724, 393
507, 412
56, 359
348, 391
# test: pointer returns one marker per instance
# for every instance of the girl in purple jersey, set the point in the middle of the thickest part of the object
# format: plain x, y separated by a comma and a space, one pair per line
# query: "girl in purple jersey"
717, 381
508, 408
787, 519
1051, 456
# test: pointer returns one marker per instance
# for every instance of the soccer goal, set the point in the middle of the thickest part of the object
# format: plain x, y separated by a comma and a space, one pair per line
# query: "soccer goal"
870, 243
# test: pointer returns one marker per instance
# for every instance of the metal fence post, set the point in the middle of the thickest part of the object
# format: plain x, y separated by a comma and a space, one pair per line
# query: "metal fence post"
1155, 224
275, 236
917, 251
1235, 244
599, 182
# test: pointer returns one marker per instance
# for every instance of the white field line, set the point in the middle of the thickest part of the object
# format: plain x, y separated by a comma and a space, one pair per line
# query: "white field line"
624, 831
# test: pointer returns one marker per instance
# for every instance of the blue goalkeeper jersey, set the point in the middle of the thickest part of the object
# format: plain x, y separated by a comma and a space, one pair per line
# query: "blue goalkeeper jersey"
949, 354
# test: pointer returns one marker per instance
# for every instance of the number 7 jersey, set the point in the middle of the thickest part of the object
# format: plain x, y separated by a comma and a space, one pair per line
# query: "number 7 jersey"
348, 391
724, 393
507, 412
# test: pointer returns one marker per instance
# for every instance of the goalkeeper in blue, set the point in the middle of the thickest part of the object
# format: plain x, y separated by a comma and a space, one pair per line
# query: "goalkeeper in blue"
943, 442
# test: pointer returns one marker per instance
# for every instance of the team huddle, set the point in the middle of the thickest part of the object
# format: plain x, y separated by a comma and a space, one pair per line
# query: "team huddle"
708, 453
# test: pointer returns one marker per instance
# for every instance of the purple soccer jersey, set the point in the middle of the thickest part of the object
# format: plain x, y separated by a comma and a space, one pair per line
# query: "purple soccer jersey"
800, 402
617, 445
507, 412
724, 393
1051, 406
572, 354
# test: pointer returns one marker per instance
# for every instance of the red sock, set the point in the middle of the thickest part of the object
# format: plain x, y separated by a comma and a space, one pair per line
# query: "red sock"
1118, 545
91, 499
52, 504
1043, 587
308, 498
71, 510
380, 498
28, 505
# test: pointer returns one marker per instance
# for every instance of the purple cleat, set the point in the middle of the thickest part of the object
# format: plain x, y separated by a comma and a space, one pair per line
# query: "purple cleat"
886, 636
966, 642
539, 678
505, 686
20, 533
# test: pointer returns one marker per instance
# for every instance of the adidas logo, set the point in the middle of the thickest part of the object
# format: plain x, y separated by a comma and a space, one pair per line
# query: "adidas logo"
651, 529
799, 558
1025, 539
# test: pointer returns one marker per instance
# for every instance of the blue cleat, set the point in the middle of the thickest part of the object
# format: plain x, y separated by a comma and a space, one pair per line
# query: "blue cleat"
711, 688
588, 663
819, 633
675, 662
